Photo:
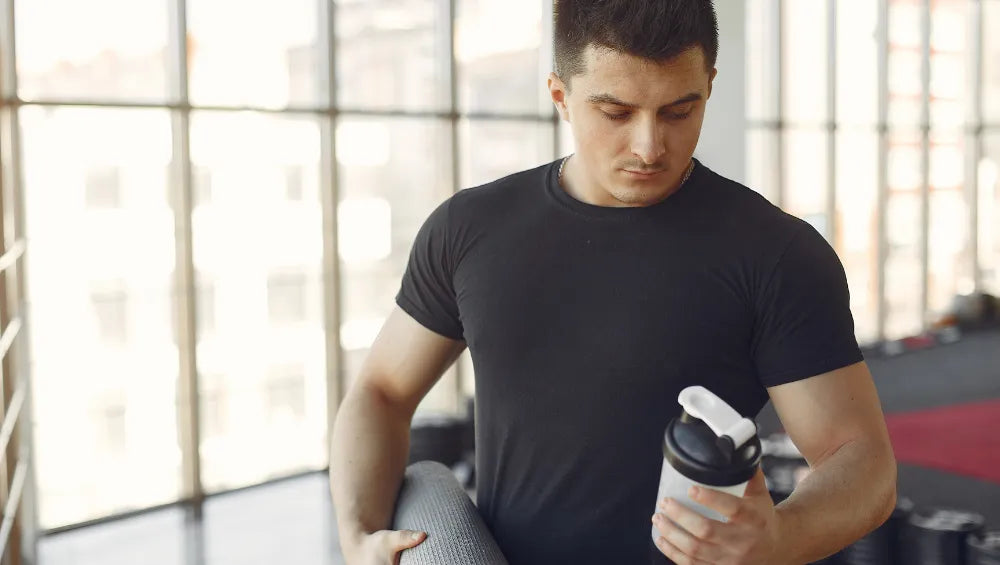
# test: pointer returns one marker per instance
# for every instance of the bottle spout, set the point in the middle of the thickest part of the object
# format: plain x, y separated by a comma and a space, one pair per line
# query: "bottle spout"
701, 403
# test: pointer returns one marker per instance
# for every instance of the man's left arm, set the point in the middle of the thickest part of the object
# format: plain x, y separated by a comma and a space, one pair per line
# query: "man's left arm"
836, 421
806, 355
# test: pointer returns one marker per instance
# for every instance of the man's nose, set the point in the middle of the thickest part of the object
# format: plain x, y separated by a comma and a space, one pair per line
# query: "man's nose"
647, 143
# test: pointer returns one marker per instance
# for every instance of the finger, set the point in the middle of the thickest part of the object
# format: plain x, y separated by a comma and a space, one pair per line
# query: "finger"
684, 541
403, 539
697, 525
675, 554
722, 502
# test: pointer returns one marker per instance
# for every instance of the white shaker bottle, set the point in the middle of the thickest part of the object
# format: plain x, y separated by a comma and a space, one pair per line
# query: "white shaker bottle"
709, 445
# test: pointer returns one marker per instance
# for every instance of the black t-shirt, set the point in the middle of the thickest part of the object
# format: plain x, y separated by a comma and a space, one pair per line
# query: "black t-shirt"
585, 322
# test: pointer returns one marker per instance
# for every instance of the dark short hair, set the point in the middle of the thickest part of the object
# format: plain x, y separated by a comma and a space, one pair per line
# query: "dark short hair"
658, 30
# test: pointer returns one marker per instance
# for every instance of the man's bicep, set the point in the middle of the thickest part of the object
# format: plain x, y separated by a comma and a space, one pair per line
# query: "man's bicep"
406, 359
824, 412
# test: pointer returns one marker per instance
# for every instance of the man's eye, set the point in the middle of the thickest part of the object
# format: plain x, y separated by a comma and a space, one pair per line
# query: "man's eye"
680, 113
616, 117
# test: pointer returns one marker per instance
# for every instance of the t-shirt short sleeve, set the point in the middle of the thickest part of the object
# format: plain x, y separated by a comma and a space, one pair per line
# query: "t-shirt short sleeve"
427, 292
803, 323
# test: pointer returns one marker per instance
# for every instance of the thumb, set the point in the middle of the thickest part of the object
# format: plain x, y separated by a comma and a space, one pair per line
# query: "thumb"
757, 485
405, 539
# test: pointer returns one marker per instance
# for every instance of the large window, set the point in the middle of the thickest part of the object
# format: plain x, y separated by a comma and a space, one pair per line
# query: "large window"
263, 254
873, 121
386, 192
185, 181
83, 50
103, 360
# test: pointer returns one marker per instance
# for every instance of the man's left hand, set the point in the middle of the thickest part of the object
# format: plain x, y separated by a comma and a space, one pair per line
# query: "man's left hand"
750, 537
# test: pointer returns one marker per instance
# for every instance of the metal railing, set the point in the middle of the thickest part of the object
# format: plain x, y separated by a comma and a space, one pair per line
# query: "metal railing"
17, 528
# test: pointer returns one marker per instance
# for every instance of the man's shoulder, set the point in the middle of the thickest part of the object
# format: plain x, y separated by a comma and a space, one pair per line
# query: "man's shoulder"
733, 194
489, 206
746, 223
739, 205
510, 190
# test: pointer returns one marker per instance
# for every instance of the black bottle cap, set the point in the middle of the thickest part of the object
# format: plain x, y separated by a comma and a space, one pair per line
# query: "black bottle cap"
693, 449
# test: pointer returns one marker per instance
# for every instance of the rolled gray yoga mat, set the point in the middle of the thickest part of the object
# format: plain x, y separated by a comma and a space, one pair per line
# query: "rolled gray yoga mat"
431, 500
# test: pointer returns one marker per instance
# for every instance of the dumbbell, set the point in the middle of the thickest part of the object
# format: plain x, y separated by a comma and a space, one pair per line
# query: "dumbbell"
938, 536
882, 546
984, 549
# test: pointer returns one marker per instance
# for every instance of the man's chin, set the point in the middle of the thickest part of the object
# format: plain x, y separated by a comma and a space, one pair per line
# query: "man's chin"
634, 197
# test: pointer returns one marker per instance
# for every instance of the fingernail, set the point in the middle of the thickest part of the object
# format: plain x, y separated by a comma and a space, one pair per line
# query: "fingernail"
415, 535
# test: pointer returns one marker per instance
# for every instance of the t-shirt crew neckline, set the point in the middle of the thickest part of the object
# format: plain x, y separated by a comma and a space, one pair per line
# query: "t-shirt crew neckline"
593, 211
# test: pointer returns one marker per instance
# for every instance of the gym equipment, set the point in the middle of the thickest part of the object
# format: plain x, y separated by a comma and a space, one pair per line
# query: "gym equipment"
984, 549
431, 500
882, 546
938, 536
783, 466
437, 437
976, 310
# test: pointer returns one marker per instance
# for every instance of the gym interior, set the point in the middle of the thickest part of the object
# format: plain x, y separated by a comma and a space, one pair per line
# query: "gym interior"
207, 206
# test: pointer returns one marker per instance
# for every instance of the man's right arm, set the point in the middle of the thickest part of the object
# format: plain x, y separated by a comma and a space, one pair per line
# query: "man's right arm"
370, 439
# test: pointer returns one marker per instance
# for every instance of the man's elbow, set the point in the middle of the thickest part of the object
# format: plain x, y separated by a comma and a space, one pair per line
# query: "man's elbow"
887, 489
890, 504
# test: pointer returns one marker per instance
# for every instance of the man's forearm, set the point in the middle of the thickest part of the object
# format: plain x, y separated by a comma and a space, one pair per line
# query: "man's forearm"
367, 462
844, 497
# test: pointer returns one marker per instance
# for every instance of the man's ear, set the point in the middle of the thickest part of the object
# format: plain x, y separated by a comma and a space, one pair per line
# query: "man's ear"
711, 81
558, 91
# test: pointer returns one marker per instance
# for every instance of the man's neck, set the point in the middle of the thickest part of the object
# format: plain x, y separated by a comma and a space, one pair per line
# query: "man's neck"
573, 182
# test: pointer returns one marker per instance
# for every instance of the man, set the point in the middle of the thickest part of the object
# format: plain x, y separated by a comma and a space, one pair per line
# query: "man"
590, 291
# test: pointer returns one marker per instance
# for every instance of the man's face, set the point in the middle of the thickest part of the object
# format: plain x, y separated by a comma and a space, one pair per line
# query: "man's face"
636, 123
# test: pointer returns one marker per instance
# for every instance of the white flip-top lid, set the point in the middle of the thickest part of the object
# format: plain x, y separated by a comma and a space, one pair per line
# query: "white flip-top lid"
703, 404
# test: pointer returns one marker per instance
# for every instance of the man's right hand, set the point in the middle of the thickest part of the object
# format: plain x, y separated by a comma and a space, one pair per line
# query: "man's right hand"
384, 546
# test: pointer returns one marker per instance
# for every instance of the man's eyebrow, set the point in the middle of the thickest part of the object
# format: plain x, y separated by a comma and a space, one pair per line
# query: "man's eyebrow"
609, 99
